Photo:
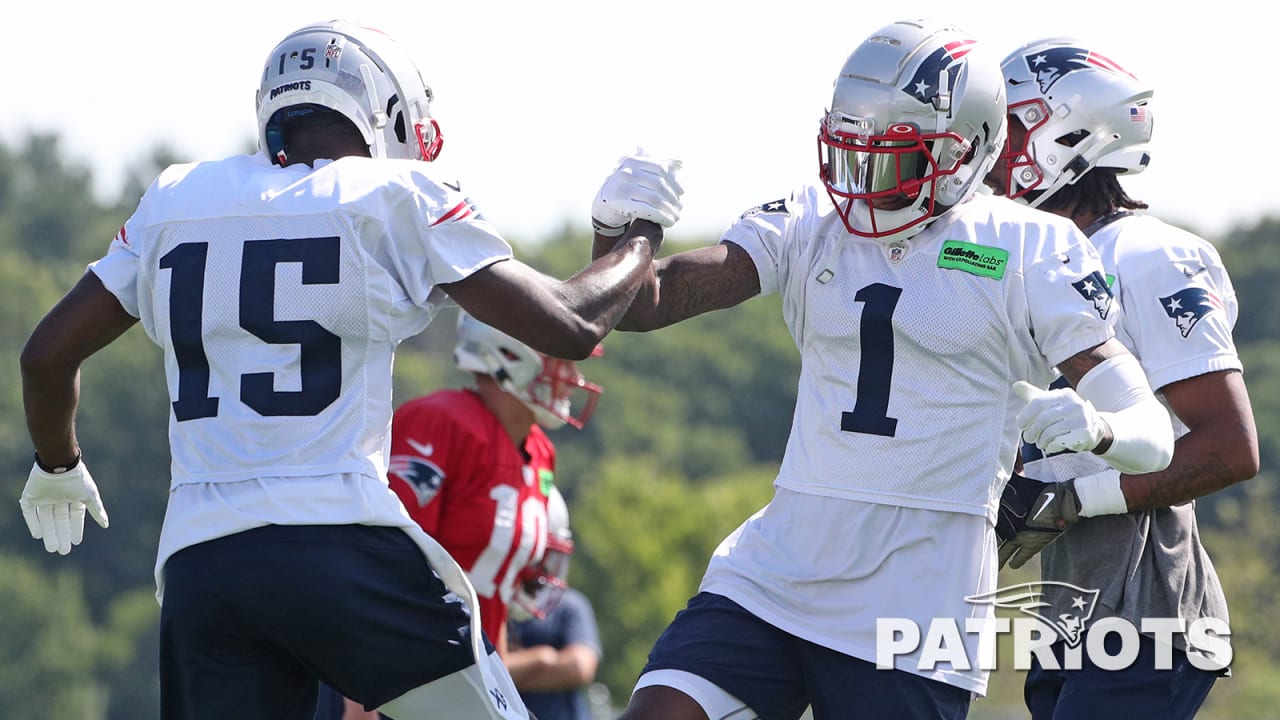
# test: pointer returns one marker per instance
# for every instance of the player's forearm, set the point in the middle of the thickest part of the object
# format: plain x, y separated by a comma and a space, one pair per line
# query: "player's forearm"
543, 669
1203, 463
604, 291
691, 283
50, 393
646, 295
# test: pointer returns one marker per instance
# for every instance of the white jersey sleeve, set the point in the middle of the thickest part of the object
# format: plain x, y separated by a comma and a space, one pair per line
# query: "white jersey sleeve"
1179, 304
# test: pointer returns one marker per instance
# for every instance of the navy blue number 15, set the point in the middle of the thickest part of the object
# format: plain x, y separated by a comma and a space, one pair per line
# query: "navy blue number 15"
321, 350
870, 412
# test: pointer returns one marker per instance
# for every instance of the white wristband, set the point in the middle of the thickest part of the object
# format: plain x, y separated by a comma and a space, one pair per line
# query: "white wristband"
1100, 494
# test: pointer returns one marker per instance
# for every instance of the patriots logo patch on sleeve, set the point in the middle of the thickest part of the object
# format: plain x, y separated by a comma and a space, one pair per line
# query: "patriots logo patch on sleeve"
424, 476
461, 211
1093, 287
776, 206
1187, 306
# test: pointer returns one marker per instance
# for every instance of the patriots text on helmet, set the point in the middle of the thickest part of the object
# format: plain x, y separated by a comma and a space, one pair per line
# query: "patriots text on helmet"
290, 87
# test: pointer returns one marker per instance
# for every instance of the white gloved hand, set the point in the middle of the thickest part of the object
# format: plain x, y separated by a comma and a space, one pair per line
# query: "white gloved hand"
641, 187
54, 504
1057, 420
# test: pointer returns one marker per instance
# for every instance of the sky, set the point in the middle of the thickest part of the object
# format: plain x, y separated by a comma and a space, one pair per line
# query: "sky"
538, 100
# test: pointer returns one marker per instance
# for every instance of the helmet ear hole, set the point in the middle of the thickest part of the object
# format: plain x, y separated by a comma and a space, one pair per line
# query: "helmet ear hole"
399, 125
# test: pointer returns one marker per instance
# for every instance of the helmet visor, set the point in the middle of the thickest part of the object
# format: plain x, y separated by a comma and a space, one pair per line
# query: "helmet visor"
877, 165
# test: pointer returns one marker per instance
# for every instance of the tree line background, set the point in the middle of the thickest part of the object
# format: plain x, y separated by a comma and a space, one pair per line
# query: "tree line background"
684, 445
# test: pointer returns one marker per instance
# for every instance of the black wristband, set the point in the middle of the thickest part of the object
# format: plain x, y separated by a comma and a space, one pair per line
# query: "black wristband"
57, 470
609, 231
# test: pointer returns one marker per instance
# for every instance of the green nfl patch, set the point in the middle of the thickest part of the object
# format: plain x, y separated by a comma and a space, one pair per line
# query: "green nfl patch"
546, 479
973, 258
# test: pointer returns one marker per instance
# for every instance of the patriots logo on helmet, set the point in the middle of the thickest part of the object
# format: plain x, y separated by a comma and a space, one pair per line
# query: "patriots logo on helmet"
1187, 306
1093, 287
424, 476
1028, 598
1050, 65
923, 86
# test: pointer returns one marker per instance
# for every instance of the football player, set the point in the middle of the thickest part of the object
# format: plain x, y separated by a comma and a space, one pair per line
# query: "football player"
917, 303
474, 466
1078, 121
278, 285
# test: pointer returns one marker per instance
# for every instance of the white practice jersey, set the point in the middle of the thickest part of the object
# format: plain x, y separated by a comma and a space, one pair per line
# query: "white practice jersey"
279, 296
1178, 308
909, 351
905, 428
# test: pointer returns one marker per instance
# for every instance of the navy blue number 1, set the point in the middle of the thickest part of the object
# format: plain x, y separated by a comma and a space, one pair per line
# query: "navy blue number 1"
321, 350
186, 308
870, 412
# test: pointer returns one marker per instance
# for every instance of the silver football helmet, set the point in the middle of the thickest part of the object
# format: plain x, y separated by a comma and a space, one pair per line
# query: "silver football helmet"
541, 585
553, 389
1079, 110
916, 121
359, 72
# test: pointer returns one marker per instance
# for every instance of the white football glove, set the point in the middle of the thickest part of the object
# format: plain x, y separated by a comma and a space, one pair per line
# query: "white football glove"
1057, 420
54, 504
642, 188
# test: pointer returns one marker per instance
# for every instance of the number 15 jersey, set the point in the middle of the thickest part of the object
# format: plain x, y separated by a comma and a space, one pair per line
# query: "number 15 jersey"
279, 296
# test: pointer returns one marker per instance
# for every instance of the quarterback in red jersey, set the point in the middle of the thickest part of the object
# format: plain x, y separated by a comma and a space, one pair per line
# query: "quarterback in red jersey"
473, 466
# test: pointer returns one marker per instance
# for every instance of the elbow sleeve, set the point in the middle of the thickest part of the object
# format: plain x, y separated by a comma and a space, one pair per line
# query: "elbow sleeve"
1141, 430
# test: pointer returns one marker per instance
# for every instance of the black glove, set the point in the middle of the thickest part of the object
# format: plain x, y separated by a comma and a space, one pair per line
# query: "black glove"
1032, 515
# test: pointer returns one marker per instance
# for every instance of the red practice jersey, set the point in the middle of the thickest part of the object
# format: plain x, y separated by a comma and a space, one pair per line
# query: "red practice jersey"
463, 480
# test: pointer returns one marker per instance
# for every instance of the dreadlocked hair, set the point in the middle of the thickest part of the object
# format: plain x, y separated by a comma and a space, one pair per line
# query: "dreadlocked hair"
1097, 192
